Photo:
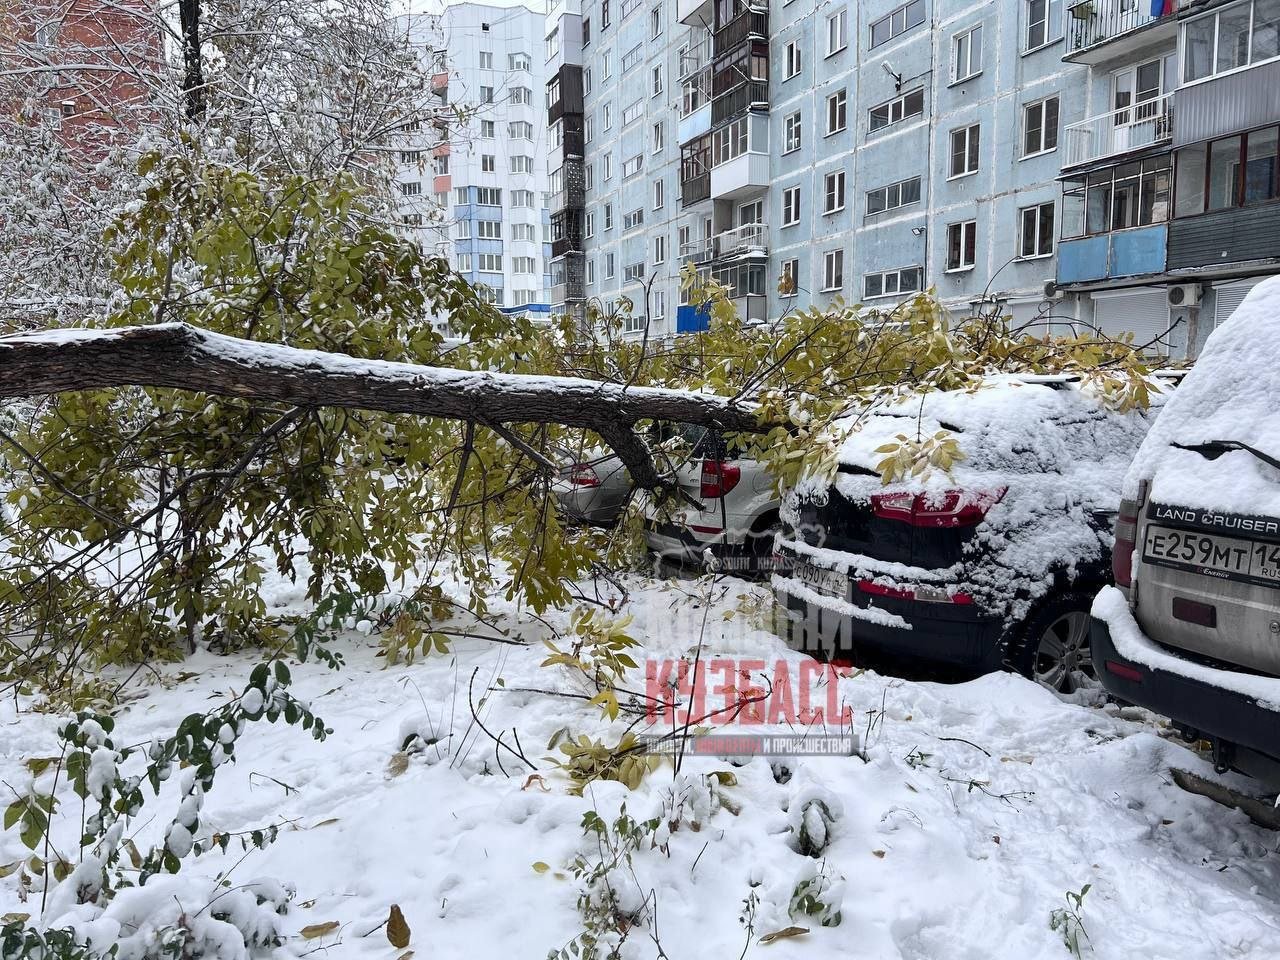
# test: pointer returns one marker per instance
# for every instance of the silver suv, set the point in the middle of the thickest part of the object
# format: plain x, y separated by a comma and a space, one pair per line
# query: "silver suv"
1192, 627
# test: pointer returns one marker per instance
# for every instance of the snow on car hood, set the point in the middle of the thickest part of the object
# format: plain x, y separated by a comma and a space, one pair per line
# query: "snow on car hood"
1232, 393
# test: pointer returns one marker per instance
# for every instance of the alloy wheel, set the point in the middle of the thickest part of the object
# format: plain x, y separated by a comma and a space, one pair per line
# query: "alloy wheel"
1063, 658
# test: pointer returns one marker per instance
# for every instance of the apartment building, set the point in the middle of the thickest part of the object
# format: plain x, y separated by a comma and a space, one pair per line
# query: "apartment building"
475, 189
867, 151
1171, 183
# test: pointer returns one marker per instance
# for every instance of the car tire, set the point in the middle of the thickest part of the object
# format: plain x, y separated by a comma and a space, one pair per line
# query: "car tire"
759, 548
1052, 644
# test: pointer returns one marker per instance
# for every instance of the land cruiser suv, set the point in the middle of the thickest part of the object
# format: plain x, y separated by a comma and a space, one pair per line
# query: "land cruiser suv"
1192, 628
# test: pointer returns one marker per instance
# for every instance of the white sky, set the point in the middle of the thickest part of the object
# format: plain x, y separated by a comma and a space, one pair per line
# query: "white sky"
436, 6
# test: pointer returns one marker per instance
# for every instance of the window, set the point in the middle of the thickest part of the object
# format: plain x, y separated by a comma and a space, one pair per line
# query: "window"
794, 60
791, 131
464, 263
440, 165
586, 80
655, 23
1040, 127
520, 130
790, 206
659, 304
524, 231
410, 156
966, 54
492, 196
606, 70
789, 279
629, 7
1131, 195
607, 163
833, 192
608, 266
486, 94
729, 142
1035, 231
589, 225
659, 194
832, 270
660, 249
462, 195
524, 265
631, 57
964, 152
898, 22
553, 43
1236, 35
1238, 171
633, 272
656, 88
608, 217
836, 112
837, 32
591, 271
490, 262
521, 95
411, 189
659, 136
486, 60
962, 245
521, 164
588, 176
488, 163
604, 14
518, 61
893, 196
588, 126
486, 130
910, 104
489, 229
522, 297
1044, 22
462, 230
633, 219
606, 116
632, 166
631, 113
891, 283
522, 198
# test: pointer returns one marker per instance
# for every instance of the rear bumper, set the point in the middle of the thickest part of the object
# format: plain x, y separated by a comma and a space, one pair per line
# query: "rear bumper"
1197, 703
680, 546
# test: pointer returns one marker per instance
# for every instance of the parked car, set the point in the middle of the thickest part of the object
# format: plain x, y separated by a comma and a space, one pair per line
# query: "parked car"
1192, 629
994, 564
730, 508
592, 487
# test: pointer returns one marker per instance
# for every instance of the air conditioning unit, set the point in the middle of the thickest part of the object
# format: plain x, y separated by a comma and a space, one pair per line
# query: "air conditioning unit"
1052, 290
1183, 294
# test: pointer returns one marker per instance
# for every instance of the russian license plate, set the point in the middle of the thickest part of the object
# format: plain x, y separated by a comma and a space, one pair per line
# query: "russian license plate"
1209, 554
831, 583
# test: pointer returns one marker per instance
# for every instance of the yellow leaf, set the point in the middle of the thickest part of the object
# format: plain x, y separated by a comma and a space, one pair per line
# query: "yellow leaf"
314, 930
398, 764
785, 933
397, 930
541, 867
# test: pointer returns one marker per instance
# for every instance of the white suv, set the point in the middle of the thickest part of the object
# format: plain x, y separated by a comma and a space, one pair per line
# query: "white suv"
736, 516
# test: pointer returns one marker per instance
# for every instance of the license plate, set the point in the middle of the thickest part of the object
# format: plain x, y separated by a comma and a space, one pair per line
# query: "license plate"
831, 583
1234, 558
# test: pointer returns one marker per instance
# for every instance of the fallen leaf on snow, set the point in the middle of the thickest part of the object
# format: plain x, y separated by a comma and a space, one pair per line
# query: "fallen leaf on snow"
538, 779
397, 930
398, 764
15, 918
878, 853
313, 930
784, 934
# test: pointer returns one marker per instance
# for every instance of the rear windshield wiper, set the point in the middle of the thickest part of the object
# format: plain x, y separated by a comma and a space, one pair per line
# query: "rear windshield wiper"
1213, 449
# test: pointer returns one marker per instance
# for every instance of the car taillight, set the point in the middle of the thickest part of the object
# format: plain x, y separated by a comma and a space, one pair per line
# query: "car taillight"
583, 475
718, 478
1126, 543
928, 594
952, 508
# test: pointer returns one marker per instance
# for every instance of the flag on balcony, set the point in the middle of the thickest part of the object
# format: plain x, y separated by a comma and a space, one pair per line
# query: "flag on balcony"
1161, 8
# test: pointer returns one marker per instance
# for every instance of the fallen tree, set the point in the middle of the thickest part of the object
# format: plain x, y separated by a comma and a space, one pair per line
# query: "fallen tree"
184, 357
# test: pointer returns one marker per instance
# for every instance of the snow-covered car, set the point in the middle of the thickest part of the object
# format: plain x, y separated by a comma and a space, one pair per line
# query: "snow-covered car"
993, 564
592, 488
1192, 629
735, 516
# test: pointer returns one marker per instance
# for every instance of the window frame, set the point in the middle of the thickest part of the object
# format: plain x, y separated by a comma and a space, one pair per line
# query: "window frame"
1047, 23
965, 227
890, 104
842, 108
1042, 103
828, 258
837, 31
956, 39
1039, 252
786, 132
972, 150
791, 205
839, 178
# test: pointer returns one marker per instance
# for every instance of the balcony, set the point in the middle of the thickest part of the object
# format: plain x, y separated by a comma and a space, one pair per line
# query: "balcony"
695, 124
748, 25
1113, 134
439, 81
747, 241
1100, 30
694, 13
695, 58
699, 251
1222, 240
570, 290
1111, 256
752, 95
695, 189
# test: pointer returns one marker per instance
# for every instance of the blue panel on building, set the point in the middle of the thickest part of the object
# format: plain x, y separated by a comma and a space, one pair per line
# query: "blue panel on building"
1139, 251
1082, 260
691, 319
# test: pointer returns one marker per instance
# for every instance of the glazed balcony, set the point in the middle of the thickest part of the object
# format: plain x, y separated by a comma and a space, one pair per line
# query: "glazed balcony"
748, 25
1105, 29
1113, 134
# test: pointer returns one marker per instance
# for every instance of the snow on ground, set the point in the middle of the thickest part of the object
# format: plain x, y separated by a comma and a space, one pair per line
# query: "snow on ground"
977, 808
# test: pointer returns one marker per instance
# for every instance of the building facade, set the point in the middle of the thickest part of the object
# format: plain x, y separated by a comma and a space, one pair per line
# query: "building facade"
475, 189
1016, 155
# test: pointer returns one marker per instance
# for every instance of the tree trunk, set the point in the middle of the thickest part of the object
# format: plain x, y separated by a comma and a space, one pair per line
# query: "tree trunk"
183, 357
192, 58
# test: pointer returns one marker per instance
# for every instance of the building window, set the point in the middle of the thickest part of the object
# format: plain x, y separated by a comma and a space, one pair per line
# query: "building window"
520, 130
832, 270
486, 60
837, 105
964, 152
464, 263
893, 196
606, 68
521, 95
632, 57
789, 279
462, 230
910, 104
518, 61
586, 80
962, 245
633, 219
490, 196
897, 23
486, 130
729, 142
524, 231
794, 60
791, 133
486, 94
523, 265
660, 249
606, 116
490, 262
631, 113
488, 163
522, 198
632, 166
659, 136
633, 272
608, 216
655, 23
590, 271
411, 189
659, 304
461, 194
1237, 171
659, 194
890, 283
607, 163
489, 229
604, 14
656, 89
790, 206
589, 225
837, 32
1035, 231
1044, 23
608, 266
966, 54
553, 43
521, 164
1040, 127
833, 192
1234, 36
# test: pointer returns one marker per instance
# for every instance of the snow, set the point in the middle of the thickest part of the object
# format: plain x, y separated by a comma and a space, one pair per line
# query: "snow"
976, 808
1131, 643
1230, 394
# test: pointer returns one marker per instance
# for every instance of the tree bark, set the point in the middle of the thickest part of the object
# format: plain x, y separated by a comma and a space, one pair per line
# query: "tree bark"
182, 357
192, 58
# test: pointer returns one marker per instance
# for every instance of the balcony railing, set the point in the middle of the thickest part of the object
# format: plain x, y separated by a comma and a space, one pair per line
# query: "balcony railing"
695, 189
1121, 131
750, 23
569, 290
1094, 22
696, 57
750, 239
753, 95
699, 251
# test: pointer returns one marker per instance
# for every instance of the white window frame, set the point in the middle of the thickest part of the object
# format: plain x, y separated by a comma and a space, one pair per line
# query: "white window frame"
793, 61
966, 227
1039, 253
897, 290
833, 191
837, 31
789, 128
1042, 103
966, 54
970, 132
830, 275
1050, 25
839, 102
791, 206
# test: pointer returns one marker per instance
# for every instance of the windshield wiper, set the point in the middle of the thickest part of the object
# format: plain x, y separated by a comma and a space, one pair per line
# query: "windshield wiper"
1213, 449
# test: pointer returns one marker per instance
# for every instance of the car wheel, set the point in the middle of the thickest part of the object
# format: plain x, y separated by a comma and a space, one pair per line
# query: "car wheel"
759, 549
1054, 649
